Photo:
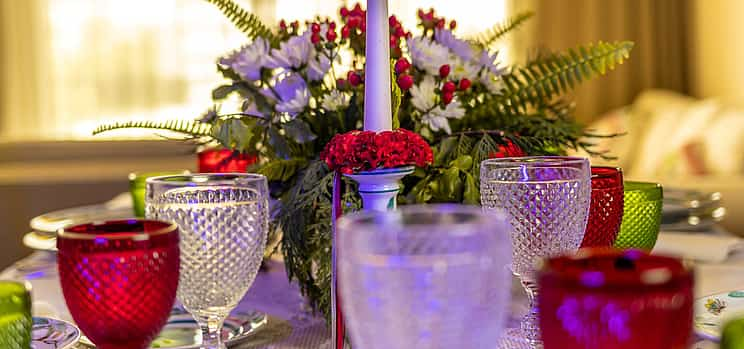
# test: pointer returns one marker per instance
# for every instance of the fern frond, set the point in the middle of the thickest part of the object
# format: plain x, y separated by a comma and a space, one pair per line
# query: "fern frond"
490, 36
188, 127
282, 169
245, 21
552, 75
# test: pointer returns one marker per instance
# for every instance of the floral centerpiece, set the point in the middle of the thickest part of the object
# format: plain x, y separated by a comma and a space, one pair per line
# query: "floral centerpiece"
300, 85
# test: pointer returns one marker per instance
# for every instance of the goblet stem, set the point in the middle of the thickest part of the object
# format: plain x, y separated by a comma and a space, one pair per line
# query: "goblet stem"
530, 322
211, 328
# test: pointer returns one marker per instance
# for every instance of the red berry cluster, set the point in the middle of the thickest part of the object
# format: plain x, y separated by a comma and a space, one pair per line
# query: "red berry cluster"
397, 34
430, 21
355, 19
449, 87
367, 150
405, 80
291, 29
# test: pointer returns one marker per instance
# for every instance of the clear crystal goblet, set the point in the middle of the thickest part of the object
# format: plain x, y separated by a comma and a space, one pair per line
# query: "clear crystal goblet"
431, 276
548, 199
223, 219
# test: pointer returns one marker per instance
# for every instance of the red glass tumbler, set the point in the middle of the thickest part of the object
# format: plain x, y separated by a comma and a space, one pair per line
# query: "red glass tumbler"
119, 279
613, 299
224, 160
606, 210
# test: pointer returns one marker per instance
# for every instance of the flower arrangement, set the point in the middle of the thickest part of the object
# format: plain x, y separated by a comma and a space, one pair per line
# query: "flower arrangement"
301, 85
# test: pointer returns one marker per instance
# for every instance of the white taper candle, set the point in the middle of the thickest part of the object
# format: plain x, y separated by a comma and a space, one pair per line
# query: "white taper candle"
377, 113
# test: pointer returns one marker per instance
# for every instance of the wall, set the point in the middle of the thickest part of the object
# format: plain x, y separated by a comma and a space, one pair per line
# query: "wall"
717, 52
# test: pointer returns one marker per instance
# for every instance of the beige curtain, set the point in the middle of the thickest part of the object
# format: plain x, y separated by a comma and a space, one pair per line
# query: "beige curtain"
659, 28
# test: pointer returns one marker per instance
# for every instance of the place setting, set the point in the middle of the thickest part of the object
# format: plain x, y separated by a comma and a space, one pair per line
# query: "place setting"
374, 181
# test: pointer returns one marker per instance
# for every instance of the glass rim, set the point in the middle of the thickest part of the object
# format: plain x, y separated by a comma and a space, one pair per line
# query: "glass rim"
669, 270
210, 179
135, 175
536, 160
477, 216
27, 287
167, 228
651, 190
607, 172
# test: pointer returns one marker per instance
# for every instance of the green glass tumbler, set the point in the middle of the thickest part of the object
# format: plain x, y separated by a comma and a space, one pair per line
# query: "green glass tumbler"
641, 215
15, 315
732, 336
137, 187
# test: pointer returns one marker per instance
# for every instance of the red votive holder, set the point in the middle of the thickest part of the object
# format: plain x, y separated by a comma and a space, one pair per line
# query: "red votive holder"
606, 209
119, 279
612, 299
224, 160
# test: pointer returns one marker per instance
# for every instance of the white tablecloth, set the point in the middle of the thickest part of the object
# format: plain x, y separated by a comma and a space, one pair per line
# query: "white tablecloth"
295, 329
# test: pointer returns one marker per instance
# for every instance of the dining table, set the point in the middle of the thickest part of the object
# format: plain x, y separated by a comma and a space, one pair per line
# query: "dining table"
291, 324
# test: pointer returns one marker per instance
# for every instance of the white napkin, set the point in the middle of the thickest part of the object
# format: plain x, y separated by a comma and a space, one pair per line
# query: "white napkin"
703, 247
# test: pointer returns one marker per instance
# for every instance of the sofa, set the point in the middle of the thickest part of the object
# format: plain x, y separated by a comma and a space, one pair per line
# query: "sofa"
680, 142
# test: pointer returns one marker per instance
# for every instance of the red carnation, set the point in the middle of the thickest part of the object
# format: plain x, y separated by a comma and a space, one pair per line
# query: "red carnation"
449, 86
315, 38
315, 28
447, 97
331, 35
366, 150
464, 84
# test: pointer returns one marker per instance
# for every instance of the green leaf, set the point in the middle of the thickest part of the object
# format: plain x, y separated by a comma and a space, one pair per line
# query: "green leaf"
396, 96
245, 21
223, 91
282, 169
462, 163
555, 74
450, 185
191, 128
471, 194
278, 143
299, 131
490, 36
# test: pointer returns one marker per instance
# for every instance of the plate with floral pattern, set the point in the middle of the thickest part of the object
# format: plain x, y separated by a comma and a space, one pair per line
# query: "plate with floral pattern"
712, 312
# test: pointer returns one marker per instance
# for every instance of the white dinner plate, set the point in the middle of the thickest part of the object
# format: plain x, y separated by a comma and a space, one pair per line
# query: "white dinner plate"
711, 312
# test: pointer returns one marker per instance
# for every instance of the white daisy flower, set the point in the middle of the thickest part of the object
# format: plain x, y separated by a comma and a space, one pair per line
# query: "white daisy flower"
423, 96
437, 118
493, 84
427, 54
292, 53
335, 100
248, 61
424, 99
463, 69
461, 48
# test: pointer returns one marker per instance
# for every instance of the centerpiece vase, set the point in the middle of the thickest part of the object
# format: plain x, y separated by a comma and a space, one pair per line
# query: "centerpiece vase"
378, 189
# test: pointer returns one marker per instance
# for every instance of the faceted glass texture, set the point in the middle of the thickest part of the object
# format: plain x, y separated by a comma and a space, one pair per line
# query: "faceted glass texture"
15, 315
643, 204
432, 276
119, 279
606, 210
613, 299
547, 199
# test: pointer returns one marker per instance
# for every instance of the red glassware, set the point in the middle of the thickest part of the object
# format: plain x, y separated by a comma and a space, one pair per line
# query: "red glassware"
224, 160
613, 299
119, 279
606, 210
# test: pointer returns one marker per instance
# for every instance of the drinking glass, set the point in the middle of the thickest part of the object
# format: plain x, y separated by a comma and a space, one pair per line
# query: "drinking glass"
15, 315
137, 188
613, 299
223, 220
119, 279
430, 276
547, 198
606, 209
641, 216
